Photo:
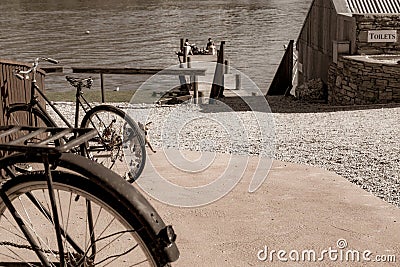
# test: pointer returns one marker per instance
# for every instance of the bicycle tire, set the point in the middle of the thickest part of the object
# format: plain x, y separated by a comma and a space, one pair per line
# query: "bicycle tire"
104, 206
124, 138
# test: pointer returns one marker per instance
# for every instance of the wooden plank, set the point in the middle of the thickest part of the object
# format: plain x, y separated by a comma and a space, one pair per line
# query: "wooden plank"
13, 94
58, 69
9, 131
20, 89
14, 90
204, 58
105, 70
103, 99
18, 64
4, 96
166, 101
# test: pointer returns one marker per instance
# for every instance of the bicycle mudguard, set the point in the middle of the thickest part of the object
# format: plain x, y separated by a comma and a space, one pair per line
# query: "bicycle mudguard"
118, 187
19, 106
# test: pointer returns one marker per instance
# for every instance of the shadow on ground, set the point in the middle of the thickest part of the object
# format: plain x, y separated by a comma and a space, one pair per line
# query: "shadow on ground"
289, 104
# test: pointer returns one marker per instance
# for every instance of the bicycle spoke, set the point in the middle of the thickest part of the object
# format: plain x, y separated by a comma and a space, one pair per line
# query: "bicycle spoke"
28, 221
10, 230
23, 228
68, 240
42, 242
64, 230
117, 255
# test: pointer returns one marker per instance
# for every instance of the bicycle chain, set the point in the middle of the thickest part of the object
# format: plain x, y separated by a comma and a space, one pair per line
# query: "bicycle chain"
71, 260
11, 244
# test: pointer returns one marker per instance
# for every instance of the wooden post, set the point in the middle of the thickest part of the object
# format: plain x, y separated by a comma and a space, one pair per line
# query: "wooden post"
181, 47
222, 61
221, 51
102, 87
226, 71
217, 88
185, 53
226, 62
193, 82
195, 89
189, 65
238, 84
182, 79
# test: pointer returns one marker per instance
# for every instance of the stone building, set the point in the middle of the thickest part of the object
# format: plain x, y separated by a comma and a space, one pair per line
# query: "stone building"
353, 48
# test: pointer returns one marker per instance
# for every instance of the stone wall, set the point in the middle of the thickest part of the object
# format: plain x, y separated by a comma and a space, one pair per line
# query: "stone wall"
365, 23
312, 90
360, 80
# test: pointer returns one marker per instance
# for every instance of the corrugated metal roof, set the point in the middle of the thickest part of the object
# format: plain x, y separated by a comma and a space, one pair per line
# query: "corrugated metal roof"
374, 6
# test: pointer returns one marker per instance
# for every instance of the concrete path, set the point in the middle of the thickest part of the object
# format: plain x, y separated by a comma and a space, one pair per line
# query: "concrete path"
298, 209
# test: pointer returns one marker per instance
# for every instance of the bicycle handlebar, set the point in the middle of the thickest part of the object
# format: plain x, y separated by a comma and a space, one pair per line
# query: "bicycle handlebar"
34, 67
48, 59
51, 60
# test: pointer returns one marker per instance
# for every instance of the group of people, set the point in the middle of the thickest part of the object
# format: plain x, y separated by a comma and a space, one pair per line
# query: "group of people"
192, 49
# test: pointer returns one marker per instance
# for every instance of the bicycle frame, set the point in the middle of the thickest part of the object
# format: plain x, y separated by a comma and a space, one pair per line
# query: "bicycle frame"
80, 100
35, 89
106, 146
34, 102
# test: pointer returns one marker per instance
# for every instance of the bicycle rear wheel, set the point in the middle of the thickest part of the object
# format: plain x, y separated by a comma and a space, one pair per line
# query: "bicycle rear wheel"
119, 145
98, 230
25, 115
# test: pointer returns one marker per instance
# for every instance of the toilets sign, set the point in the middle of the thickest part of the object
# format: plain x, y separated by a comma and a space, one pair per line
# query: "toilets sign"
382, 36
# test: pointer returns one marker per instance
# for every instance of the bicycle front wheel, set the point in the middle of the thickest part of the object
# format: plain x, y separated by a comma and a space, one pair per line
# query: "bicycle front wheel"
119, 145
96, 229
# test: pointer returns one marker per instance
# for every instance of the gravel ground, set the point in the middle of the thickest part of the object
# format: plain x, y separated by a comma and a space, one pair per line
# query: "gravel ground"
359, 143
362, 146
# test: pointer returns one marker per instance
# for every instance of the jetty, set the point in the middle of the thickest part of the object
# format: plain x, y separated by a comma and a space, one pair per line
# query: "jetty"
199, 78
219, 81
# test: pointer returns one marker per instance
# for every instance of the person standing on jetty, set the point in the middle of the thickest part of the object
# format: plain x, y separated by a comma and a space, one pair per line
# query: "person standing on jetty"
210, 48
189, 47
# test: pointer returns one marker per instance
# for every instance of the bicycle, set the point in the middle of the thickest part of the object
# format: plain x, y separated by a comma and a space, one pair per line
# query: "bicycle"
73, 212
116, 130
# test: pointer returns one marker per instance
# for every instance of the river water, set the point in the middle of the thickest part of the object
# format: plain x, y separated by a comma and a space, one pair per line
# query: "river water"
146, 33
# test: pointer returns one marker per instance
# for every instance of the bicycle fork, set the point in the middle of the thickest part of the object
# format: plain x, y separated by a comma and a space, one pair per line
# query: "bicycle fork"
54, 209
